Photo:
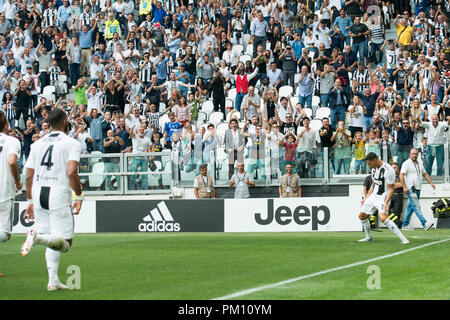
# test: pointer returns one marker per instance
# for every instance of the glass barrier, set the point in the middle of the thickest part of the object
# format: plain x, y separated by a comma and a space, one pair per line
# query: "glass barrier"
101, 172
158, 172
148, 172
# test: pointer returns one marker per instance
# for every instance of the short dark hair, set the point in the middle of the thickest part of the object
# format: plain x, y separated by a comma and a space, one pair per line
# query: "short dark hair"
371, 156
55, 117
203, 166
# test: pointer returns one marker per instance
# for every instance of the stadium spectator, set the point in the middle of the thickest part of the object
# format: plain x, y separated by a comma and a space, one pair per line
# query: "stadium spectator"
290, 184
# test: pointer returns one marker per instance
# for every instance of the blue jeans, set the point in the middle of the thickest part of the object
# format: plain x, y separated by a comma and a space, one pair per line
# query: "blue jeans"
306, 101
374, 47
360, 48
238, 101
74, 69
257, 163
337, 113
344, 163
324, 98
367, 122
138, 165
430, 156
413, 206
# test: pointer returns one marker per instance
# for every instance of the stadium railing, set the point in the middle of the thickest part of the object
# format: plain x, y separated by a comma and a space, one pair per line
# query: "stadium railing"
160, 172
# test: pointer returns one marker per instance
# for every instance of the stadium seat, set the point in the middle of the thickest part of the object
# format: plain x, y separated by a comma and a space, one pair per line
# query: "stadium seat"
315, 101
245, 39
62, 84
125, 109
239, 48
207, 107
202, 117
323, 112
215, 118
231, 94
163, 120
221, 128
229, 104
267, 45
285, 91
297, 78
50, 93
96, 181
244, 58
249, 49
315, 124
308, 112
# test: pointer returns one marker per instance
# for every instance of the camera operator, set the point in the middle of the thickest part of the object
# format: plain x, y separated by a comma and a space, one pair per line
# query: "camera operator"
237, 28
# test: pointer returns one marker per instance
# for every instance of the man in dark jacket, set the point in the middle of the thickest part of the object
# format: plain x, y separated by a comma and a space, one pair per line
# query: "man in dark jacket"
339, 100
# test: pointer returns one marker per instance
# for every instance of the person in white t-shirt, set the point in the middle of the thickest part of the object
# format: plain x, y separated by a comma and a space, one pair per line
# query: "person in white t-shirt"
141, 145
411, 175
378, 197
9, 177
51, 175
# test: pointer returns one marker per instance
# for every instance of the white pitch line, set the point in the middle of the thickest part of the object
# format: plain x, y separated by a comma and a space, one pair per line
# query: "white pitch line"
281, 283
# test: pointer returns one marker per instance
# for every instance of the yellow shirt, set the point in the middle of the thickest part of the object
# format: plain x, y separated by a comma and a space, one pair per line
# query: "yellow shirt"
405, 37
111, 27
360, 150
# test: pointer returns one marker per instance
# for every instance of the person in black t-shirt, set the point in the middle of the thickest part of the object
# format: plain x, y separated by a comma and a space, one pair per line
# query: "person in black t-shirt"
326, 132
358, 32
23, 101
112, 144
217, 89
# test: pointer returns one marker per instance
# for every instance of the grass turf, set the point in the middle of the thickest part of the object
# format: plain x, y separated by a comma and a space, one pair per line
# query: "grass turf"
210, 265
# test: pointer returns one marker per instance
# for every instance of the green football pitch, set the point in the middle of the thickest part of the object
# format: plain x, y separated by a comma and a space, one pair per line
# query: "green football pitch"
187, 266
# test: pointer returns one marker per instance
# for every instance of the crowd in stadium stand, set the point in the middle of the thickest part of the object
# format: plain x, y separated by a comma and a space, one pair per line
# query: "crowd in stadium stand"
258, 79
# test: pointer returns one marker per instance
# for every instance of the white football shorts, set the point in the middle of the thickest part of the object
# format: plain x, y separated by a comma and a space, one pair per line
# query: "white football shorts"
6, 216
373, 203
58, 223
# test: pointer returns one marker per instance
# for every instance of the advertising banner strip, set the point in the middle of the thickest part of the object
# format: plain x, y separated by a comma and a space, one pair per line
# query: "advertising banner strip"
193, 215
84, 222
292, 215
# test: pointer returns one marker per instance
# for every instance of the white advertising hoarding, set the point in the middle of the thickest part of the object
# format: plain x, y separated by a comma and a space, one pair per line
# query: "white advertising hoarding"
292, 215
85, 221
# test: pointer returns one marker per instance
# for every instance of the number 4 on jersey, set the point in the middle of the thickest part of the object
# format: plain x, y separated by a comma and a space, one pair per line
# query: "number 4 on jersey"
47, 158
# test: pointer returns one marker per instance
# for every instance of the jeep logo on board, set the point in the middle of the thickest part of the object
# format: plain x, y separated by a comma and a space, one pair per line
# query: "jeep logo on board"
301, 215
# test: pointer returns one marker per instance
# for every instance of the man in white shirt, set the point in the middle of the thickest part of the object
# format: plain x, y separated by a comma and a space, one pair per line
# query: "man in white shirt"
411, 178
9, 179
51, 175
141, 145
94, 98
274, 75
97, 69
435, 132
